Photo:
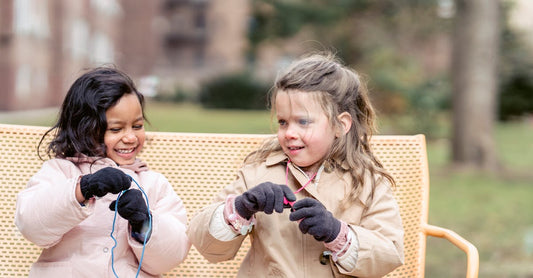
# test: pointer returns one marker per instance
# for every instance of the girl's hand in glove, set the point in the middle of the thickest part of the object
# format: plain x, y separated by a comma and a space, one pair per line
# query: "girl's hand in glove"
315, 220
265, 197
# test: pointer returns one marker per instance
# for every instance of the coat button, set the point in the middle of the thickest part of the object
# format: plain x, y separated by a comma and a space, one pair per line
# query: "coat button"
105, 249
324, 257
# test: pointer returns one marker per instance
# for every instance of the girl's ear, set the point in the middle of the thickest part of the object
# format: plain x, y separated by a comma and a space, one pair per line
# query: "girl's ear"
346, 123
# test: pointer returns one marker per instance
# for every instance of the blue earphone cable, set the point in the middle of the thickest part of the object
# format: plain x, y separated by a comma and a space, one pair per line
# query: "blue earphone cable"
113, 229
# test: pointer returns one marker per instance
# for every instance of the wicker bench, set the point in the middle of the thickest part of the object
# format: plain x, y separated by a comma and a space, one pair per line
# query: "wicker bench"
198, 165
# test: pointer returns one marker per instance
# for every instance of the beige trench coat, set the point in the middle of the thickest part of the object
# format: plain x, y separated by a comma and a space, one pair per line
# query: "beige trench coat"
279, 249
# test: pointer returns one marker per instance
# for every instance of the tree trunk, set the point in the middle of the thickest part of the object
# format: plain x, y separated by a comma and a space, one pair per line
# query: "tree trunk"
475, 82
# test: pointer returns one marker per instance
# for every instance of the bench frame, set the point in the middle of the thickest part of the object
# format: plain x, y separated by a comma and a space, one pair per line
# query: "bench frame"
198, 166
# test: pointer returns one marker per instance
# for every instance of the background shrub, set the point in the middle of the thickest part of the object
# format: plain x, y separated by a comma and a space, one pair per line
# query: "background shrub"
234, 91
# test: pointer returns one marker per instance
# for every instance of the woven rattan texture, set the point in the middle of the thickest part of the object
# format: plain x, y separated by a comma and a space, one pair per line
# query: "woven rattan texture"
18, 161
198, 166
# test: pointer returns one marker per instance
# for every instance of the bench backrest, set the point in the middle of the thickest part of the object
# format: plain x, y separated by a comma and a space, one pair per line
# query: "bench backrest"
198, 166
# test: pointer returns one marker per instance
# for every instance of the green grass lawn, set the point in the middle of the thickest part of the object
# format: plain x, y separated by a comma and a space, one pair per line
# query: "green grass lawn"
491, 210
170, 117
190, 118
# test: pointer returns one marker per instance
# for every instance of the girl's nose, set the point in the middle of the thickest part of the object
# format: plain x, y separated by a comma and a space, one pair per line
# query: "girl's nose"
291, 133
129, 137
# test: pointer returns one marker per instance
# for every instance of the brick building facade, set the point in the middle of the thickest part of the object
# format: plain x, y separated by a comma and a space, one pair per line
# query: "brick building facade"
46, 44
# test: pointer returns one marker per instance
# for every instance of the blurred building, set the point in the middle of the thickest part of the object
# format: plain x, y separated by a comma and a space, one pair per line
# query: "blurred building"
46, 44
201, 38
162, 44
521, 19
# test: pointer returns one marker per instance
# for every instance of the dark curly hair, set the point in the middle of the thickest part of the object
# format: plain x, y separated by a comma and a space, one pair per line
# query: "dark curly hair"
82, 121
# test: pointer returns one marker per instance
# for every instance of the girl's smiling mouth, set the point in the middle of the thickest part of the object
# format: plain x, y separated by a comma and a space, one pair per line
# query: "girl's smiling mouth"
293, 150
125, 151
125, 155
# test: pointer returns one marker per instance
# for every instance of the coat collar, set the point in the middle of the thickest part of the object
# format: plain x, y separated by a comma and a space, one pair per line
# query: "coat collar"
276, 158
329, 178
137, 166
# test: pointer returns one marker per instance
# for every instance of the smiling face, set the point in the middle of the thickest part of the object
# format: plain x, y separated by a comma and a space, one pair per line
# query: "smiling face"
124, 137
305, 133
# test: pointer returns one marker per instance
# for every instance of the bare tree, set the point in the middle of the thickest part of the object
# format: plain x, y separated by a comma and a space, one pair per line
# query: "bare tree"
475, 82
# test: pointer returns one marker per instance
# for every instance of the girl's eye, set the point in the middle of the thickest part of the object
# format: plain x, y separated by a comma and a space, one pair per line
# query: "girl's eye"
137, 126
303, 121
116, 129
282, 122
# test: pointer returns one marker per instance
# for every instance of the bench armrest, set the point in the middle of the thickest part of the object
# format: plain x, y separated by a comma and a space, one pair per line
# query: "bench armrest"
472, 255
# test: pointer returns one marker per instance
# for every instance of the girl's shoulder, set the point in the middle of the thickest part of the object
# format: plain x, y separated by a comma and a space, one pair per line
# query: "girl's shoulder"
269, 161
152, 178
59, 163
271, 168
152, 174
374, 184
59, 167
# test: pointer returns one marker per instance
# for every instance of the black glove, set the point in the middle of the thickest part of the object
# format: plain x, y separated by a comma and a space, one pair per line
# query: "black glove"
132, 207
315, 220
265, 197
104, 181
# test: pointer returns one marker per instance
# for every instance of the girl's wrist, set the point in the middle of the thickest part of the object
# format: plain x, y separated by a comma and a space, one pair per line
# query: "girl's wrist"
79, 196
239, 224
340, 244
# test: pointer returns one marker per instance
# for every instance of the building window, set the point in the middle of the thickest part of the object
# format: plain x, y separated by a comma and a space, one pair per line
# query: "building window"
78, 39
30, 81
200, 20
102, 50
31, 18
23, 81
107, 7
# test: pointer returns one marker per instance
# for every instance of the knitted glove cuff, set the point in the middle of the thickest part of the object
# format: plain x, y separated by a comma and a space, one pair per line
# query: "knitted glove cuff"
237, 223
85, 187
340, 244
142, 233
137, 225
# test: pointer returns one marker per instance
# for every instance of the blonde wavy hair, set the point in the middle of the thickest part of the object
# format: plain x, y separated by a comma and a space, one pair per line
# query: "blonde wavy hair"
338, 89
